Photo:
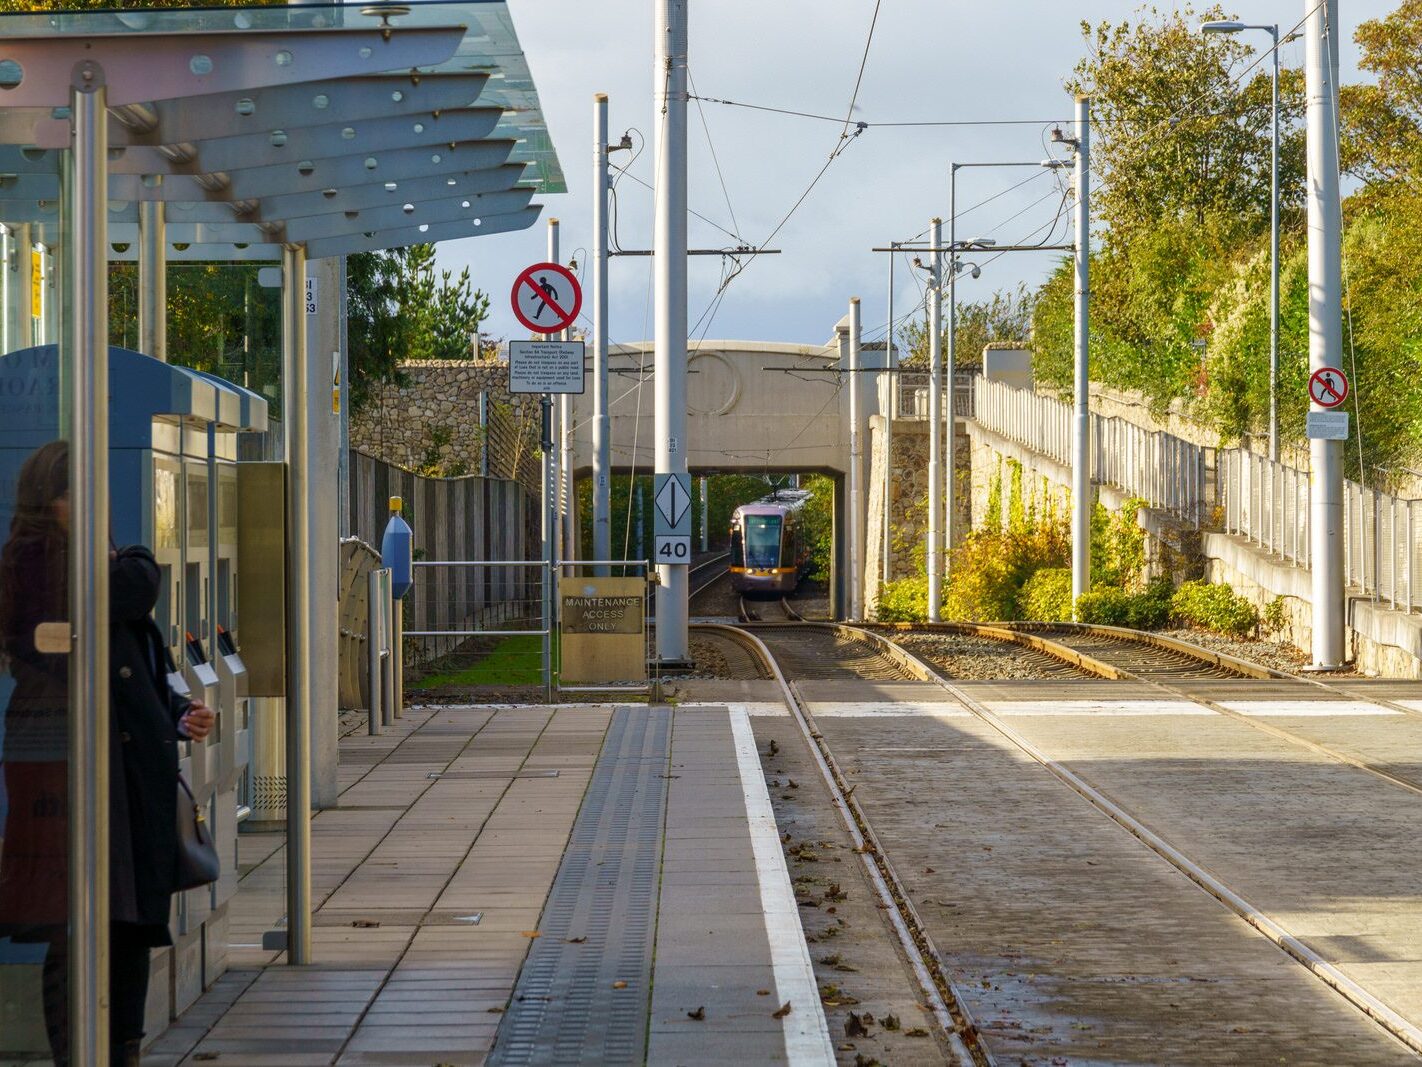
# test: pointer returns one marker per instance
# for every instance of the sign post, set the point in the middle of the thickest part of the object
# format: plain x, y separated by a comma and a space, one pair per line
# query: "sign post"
546, 298
603, 624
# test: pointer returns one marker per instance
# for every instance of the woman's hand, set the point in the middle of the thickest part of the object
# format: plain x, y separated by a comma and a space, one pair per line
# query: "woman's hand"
197, 722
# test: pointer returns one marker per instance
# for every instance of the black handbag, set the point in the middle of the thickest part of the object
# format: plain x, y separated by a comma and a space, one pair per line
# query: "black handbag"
198, 864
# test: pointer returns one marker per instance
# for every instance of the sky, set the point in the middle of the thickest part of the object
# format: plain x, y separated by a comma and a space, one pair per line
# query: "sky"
929, 60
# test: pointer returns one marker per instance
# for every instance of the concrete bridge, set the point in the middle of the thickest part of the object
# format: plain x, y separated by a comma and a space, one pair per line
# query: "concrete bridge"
753, 407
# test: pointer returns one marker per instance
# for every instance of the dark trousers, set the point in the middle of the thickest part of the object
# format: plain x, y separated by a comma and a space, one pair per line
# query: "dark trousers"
128, 991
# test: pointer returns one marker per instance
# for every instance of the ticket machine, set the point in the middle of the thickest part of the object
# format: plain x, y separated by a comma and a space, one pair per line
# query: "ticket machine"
173, 488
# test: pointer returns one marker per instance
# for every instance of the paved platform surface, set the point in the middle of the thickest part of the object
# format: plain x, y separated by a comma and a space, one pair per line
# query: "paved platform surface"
431, 880
1071, 941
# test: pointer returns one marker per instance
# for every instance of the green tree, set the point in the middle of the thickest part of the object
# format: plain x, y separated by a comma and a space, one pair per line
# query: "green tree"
1004, 316
1382, 122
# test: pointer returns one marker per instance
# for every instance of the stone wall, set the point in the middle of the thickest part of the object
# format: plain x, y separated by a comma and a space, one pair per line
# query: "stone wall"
908, 495
430, 422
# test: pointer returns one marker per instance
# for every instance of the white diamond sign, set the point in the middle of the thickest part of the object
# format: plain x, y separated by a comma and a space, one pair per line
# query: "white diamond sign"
673, 499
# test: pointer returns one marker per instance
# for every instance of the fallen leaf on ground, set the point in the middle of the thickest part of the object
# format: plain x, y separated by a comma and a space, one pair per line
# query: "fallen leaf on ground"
531, 933
576, 940
762, 992
782, 1011
854, 1026
891, 1022
619, 984
917, 1031
698, 1014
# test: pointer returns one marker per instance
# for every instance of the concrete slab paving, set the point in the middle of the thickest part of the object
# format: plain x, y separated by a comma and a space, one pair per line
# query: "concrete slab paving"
1069, 938
392, 875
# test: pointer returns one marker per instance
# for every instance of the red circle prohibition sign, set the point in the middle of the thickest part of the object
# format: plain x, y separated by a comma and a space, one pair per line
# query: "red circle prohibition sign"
1328, 387
546, 297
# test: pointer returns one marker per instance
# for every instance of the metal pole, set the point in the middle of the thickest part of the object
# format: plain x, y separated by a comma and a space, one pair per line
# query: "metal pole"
705, 514
856, 474
550, 541
296, 385
1325, 325
19, 316
555, 451
935, 420
1274, 263
153, 279
891, 410
602, 424
669, 364
89, 572
375, 664
950, 372
1081, 501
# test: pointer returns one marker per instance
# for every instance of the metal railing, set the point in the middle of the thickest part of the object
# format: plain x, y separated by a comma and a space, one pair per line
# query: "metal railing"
1165, 471
1263, 501
912, 386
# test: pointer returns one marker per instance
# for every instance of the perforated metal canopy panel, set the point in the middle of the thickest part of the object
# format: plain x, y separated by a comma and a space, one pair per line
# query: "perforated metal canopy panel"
584, 993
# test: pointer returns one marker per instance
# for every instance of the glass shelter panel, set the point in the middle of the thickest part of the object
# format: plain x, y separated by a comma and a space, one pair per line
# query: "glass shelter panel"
35, 610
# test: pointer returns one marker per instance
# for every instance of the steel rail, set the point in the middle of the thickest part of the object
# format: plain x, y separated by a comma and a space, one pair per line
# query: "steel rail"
1399, 1027
949, 1007
1018, 634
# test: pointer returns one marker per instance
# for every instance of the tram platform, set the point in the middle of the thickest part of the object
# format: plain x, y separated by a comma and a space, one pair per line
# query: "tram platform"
526, 885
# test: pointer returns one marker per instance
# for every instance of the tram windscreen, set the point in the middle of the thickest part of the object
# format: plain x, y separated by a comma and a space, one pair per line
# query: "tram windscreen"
762, 536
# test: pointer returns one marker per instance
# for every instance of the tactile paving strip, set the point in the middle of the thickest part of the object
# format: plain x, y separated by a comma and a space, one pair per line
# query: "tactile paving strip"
582, 996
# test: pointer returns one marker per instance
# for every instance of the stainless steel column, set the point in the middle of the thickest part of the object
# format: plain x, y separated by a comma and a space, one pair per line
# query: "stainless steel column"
855, 526
601, 426
891, 411
669, 265
1325, 325
296, 385
87, 341
935, 424
153, 279
950, 373
1081, 501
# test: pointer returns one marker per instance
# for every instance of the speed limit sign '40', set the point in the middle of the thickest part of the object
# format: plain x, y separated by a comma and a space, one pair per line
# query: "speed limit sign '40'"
546, 297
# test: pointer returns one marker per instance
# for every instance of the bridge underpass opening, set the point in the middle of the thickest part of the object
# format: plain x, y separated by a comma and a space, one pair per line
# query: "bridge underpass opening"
815, 500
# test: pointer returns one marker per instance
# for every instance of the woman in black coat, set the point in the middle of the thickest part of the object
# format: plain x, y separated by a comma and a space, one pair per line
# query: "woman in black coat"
147, 721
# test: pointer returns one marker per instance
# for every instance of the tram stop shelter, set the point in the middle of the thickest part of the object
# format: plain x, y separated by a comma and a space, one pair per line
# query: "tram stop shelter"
289, 134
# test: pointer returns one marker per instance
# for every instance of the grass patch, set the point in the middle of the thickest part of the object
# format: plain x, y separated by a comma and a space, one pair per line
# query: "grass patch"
513, 661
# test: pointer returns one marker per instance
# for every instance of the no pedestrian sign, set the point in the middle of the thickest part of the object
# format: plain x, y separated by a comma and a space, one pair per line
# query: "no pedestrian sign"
547, 297
1328, 387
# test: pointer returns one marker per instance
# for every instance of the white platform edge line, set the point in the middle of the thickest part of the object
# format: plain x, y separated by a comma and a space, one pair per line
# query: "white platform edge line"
807, 1039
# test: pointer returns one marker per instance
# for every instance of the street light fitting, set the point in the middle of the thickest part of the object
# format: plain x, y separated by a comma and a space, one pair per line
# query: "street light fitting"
1222, 26
980, 242
1056, 164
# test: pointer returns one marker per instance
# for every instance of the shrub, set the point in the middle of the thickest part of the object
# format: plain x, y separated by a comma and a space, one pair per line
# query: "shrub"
1110, 605
1275, 617
905, 600
1107, 605
1046, 596
1214, 607
990, 567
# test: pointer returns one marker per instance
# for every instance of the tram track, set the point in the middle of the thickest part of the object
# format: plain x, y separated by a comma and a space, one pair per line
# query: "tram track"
1160, 663
950, 1007
806, 655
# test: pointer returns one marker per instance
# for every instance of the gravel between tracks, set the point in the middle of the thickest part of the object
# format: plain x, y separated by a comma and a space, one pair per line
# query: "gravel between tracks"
981, 659
1275, 654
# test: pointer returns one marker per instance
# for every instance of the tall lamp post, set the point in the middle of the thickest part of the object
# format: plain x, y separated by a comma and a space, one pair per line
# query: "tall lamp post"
1273, 32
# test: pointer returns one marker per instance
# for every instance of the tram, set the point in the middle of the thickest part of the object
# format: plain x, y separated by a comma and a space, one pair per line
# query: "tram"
769, 553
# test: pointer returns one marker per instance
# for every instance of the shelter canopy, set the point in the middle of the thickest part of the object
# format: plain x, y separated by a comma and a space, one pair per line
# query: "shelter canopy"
401, 152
